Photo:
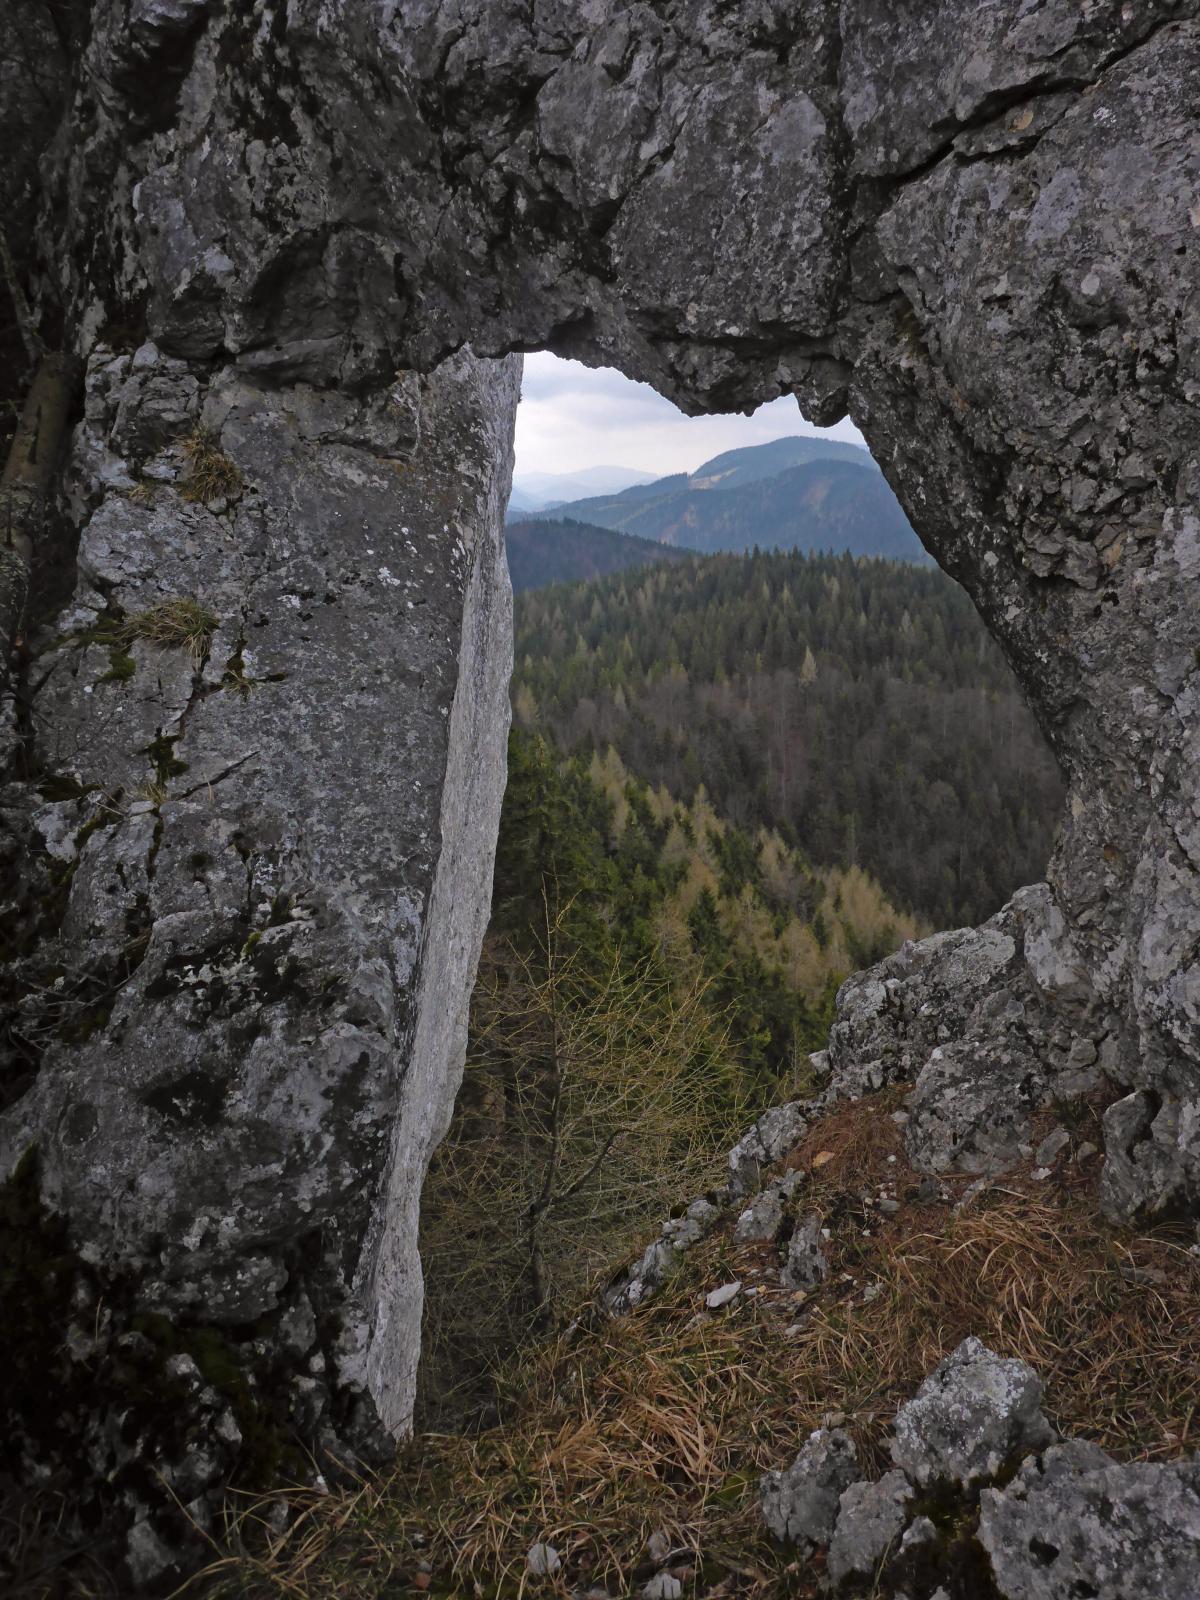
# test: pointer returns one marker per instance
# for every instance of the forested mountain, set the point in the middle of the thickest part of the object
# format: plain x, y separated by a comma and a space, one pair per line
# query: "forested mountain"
545, 551
733, 469
732, 782
794, 493
856, 707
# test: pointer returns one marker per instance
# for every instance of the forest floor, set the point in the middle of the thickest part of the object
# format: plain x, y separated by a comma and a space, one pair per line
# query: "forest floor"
662, 1422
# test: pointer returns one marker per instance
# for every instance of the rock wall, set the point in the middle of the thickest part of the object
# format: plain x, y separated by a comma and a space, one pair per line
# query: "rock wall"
258, 855
254, 783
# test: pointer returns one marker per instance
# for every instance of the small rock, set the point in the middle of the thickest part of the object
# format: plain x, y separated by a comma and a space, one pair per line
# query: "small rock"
662, 1586
762, 1218
543, 1560
1083, 1053
800, 1504
658, 1547
888, 1207
716, 1298
806, 1264
1086, 1151
919, 1533
870, 1520
974, 1414
1051, 1147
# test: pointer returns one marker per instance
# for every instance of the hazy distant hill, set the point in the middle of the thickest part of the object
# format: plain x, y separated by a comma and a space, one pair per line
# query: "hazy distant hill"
792, 494
557, 550
542, 490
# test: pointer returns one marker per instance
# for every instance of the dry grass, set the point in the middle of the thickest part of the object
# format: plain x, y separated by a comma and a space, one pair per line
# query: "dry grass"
210, 475
667, 1418
173, 625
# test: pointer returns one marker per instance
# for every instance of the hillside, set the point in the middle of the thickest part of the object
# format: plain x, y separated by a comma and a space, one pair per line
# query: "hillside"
544, 551
795, 493
858, 707
619, 915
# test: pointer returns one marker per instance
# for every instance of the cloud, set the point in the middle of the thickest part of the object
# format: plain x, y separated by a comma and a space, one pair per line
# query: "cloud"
572, 416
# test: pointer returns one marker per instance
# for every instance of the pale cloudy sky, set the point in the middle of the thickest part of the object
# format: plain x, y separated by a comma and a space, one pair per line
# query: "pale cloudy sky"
572, 416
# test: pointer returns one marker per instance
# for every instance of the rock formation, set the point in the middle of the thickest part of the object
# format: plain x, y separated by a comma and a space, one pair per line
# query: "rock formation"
257, 759
987, 1500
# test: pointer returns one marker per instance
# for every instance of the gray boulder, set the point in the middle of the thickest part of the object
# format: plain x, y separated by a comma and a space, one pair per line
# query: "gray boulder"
800, 1504
763, 1217
1079, 1524
871, 1519
974, 1415
768, 1140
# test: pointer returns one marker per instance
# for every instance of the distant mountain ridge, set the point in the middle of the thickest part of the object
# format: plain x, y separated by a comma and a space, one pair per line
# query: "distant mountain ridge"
545, 550
790, 494
540, 491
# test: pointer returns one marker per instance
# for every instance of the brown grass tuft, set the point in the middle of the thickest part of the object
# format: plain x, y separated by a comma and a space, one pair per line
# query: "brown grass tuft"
174, 625
211, 475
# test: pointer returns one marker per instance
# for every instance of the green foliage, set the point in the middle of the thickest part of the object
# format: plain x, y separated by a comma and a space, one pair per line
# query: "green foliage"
858, 707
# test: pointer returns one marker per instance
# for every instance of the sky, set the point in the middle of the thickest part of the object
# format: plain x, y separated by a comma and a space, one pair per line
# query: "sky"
572, 416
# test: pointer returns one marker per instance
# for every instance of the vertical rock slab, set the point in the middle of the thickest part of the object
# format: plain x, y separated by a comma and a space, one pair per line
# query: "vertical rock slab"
272, 730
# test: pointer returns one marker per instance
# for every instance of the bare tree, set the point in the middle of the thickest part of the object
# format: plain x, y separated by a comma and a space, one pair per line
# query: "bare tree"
597, 1091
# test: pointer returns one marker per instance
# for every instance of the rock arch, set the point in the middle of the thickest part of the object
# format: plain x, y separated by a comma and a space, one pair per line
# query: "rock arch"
977, 231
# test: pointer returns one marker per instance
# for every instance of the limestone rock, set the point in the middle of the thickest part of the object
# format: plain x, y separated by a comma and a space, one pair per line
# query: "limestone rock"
768, 1140
1081, 1524
543, 1560
763, 1217
806, 1263
870, 1521
662, 1586
716, 1298
800, 1504
975, 1414
259, 1037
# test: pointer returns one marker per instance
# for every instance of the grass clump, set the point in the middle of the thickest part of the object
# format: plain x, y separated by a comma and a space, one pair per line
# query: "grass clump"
174, 625
210, 475
666, 1418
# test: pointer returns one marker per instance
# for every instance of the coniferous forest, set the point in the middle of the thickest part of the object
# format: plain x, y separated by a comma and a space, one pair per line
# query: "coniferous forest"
856, 706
